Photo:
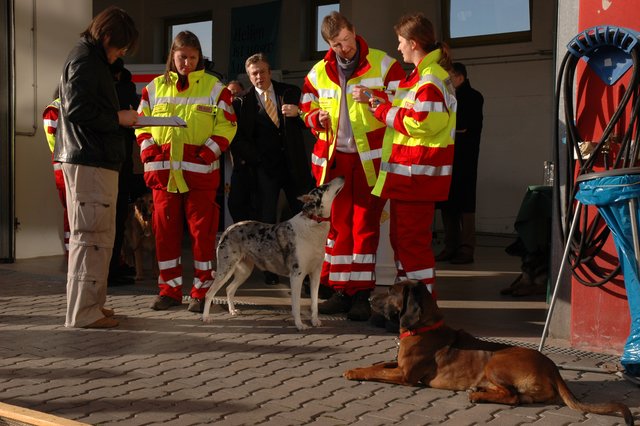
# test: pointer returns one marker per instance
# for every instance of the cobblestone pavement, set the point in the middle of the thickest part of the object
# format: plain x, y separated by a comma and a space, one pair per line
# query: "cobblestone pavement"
254, 369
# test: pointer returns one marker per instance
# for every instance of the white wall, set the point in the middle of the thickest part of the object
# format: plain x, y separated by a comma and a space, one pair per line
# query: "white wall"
40, 54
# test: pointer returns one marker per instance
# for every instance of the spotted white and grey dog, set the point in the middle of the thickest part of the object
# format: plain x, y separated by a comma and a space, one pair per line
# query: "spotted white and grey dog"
293, 248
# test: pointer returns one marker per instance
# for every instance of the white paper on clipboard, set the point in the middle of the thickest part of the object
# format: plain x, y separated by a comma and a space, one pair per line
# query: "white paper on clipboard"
144, 121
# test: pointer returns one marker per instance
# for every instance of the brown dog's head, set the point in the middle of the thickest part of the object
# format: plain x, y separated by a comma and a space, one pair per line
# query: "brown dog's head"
143, 209
410, 301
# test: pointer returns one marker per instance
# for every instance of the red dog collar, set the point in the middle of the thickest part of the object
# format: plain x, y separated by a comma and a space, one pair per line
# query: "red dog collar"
421, 330
318, 218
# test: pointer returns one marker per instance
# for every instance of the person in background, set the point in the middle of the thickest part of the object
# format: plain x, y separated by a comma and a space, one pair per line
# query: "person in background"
50, 124
119, 272
417, 153
181, 166
90, 147
268, 151
459, 211
335, 106
236, 88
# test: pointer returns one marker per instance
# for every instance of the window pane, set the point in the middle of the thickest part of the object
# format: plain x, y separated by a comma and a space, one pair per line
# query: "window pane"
202, 29
321, 12
485, 17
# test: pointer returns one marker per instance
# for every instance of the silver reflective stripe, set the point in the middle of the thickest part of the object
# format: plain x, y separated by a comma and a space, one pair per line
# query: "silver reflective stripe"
226, 107
147, 143
339, 276
385, 64
308, 97
200, 168
429, 106
154, 166
166, 264
415, 169
371, 155
341, 260
330, 243
176, 282
213, 146
313, 77
320, 162
176, 100
422, 274
203, 266
197, 283
373, 82
393, 85
327, 93
362, 276
51, 123
391, 116
364, 258
57, 166
327, 257
151, 90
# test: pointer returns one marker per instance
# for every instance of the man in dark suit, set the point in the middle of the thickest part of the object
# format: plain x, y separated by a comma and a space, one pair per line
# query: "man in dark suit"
459, 211
268, 150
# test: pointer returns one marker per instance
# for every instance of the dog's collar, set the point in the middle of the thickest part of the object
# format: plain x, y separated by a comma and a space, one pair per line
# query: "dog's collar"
421, 330
318, 218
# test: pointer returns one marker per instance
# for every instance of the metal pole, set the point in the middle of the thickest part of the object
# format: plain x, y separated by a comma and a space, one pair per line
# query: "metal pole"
565, 256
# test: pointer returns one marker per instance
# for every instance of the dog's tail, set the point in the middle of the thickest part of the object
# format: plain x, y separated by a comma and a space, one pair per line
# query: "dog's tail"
611, 408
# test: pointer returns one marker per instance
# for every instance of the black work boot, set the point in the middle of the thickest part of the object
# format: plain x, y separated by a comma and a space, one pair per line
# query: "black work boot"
360, 306
338, 303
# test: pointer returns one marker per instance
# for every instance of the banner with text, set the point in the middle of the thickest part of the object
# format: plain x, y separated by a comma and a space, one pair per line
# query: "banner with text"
253, 29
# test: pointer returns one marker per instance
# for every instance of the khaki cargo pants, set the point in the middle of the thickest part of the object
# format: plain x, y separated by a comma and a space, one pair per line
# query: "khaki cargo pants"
91, 203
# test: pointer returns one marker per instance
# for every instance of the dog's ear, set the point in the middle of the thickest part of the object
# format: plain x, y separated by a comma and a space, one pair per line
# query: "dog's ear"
305, 198
412, 305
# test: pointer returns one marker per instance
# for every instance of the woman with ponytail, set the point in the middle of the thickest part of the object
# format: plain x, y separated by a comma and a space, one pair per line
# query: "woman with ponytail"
417, 152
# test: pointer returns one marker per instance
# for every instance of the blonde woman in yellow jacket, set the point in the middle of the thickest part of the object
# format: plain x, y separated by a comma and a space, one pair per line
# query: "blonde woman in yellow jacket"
181, 166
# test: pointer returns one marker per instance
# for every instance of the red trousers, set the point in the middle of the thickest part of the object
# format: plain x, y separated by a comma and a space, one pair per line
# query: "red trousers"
410, 235
350, 253
201, 212
62, 194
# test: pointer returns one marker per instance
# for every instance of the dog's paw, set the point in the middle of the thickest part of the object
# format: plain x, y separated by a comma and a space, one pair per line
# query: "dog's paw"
316, 322
234, 312
207, 319
351, 375
302, 327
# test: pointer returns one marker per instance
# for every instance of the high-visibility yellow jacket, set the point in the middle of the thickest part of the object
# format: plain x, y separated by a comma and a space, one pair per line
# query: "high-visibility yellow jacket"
321, 91
178, 159
50, 121
417, 154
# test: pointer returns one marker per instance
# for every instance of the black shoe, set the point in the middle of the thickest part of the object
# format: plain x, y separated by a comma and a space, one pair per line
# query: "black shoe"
392, 325
338, 303
325, 292
360, 306
270, 278
377, 320
444, 255
196, 305
162, 303
461, 259
119, 280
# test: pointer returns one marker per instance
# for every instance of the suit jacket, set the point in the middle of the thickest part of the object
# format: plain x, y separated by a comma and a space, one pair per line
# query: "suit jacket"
277, 150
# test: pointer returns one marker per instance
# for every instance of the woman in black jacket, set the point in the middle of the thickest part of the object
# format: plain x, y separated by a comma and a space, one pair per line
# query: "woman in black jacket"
91, 150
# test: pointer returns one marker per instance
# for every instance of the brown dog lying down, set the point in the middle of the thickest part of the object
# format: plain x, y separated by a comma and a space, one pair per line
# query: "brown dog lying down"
437, 356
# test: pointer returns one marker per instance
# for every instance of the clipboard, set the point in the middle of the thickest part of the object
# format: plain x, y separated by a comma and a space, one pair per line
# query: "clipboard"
144, 121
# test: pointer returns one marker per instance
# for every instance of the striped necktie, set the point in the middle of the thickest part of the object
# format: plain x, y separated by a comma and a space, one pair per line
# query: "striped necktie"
271, 109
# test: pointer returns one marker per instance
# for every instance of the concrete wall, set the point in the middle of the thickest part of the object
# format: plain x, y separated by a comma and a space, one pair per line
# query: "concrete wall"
515, 79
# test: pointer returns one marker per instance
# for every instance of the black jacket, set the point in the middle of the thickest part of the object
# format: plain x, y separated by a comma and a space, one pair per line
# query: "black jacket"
88, 130
259, 143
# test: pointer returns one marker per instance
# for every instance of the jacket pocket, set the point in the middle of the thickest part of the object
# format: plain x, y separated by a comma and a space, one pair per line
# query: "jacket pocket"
92, 213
